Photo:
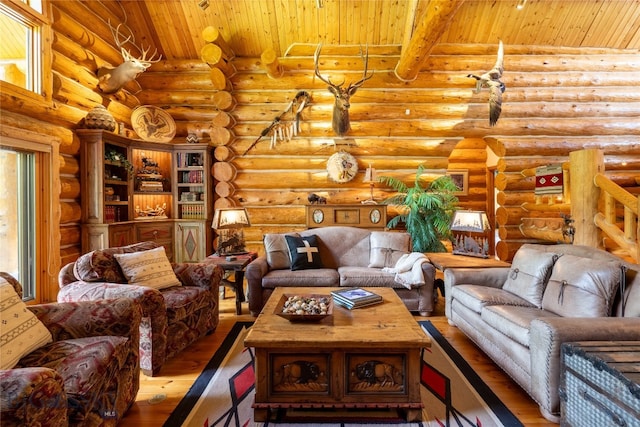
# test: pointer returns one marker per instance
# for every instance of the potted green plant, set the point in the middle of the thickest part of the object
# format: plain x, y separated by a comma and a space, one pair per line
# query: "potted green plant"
426, 210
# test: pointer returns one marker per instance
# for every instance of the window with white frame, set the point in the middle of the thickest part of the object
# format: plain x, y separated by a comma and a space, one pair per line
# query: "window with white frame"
22, 27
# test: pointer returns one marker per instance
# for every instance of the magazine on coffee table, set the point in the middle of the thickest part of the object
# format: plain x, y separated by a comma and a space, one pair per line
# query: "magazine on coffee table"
355, 297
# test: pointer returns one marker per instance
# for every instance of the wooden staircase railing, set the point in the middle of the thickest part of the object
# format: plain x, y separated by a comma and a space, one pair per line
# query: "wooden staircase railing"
626, 234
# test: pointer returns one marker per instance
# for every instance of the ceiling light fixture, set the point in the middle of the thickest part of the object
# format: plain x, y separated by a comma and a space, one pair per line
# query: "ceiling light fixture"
521, 4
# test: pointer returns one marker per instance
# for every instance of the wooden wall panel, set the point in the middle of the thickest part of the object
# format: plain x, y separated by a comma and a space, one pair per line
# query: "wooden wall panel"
557, 101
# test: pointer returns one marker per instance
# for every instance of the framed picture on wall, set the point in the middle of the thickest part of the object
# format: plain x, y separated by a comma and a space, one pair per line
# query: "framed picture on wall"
461, 179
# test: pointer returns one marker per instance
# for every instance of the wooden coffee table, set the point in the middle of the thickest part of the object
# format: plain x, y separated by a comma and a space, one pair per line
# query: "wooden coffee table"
356, 359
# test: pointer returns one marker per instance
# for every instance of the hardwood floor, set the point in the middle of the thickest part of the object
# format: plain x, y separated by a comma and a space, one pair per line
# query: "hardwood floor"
158, 396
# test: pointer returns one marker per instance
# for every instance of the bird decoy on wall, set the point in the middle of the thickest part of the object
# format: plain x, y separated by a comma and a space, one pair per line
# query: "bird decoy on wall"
491, 80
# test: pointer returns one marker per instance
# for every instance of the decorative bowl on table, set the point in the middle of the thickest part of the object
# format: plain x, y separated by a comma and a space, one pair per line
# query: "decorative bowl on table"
304, 308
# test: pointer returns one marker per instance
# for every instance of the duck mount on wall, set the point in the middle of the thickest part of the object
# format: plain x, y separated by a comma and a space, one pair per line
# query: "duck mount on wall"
282, 127
491, 80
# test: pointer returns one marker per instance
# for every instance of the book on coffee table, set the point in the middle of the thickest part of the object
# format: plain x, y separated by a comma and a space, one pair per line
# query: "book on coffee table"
355, 297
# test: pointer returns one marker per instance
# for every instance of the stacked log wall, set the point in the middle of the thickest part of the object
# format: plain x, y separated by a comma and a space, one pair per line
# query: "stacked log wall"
557, 101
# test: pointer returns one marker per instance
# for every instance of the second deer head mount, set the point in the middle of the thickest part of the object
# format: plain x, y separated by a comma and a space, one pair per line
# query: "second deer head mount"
112, 80
340, 122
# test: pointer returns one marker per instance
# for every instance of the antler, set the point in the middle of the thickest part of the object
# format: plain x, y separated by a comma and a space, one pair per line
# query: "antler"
316, 57
364, 78
126, 55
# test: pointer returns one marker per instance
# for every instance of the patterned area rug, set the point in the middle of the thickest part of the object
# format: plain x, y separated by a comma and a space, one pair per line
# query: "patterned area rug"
452, 393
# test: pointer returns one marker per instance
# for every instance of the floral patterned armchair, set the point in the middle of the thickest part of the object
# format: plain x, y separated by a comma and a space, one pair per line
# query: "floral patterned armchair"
172, 318
88, 375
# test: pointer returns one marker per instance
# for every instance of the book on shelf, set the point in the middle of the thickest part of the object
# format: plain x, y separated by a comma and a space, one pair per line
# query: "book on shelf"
355, 297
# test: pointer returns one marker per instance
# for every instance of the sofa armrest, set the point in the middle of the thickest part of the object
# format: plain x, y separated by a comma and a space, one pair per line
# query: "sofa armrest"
66, 276
33, 396
205, 275
68, 320
429, 272
254, 273
493, 277
549, 333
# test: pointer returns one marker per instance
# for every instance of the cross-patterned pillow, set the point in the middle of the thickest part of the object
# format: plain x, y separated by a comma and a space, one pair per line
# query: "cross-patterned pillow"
304, 252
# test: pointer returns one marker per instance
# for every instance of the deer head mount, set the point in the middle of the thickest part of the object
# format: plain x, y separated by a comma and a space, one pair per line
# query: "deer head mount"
340, 121
112, 80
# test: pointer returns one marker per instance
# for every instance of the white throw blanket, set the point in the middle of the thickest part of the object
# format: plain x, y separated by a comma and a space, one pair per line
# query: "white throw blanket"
408, 269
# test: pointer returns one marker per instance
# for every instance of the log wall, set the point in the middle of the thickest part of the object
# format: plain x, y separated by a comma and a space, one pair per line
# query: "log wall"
557, 101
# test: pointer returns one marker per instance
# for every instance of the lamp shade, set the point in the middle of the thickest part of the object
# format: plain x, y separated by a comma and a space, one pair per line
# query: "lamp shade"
230, 218
370, 175
470, 221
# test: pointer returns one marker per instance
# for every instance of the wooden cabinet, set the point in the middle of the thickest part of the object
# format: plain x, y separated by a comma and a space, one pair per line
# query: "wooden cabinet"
188, 234
135, 190
160, 232
372, 217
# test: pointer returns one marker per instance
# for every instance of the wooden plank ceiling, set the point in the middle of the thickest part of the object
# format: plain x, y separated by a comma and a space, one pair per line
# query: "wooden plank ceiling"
252, 26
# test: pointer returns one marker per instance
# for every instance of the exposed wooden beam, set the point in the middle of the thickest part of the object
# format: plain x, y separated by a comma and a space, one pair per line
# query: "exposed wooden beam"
433, 23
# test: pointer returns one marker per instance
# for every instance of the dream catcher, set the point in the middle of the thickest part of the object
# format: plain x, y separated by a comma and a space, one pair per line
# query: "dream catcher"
282, 129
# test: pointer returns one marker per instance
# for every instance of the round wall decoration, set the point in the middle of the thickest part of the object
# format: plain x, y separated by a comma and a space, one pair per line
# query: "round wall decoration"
342, 167
153, 124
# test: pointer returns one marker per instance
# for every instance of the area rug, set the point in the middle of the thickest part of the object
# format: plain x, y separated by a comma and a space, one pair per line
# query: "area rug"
452, 393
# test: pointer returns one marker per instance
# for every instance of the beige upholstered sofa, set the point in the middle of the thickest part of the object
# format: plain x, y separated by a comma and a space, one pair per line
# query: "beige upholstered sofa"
348, 257
552, 294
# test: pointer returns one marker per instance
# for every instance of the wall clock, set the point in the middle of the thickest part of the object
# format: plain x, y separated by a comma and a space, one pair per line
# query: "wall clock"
342, 167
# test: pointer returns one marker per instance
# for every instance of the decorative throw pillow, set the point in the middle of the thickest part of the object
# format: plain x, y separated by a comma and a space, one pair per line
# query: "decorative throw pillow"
277, 251
304, 252
582, 287
148, 268
387, 247
530, 271
22, 332
101, 266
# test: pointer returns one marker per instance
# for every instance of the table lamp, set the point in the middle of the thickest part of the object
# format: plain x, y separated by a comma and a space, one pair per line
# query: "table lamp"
370, 177
470, 222
229, 223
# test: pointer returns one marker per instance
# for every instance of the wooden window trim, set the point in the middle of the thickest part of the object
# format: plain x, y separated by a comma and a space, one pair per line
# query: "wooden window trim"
48, 207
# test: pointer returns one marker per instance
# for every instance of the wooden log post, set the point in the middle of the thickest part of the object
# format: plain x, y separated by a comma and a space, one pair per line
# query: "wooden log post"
270, 63
215, 57
585, 164
434, 22
213, 35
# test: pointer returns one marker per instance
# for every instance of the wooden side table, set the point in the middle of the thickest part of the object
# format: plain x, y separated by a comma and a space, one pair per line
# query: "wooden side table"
236, 267
443, 260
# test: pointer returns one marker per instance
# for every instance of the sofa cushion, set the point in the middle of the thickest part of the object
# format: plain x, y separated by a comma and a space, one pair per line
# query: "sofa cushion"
513, 321
78, 361
476, 297
314, 277
148, 268
277, 251
387, 247
364, 276
529, 273
304, 252
582, 287
22, 332
631, 294
101, 266
184, 301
